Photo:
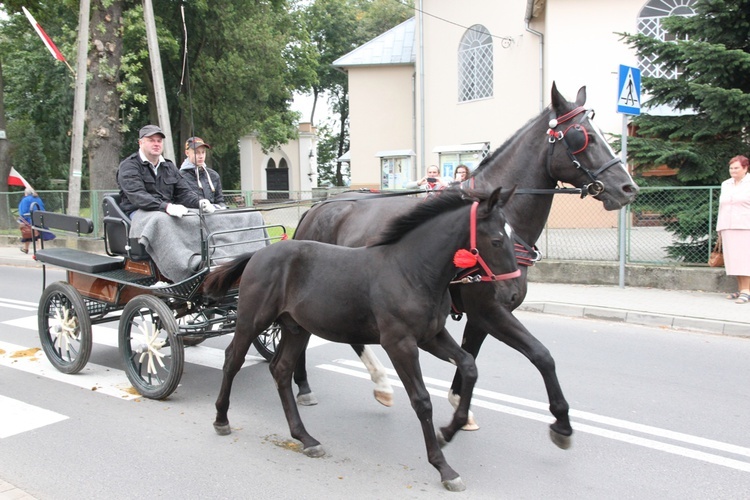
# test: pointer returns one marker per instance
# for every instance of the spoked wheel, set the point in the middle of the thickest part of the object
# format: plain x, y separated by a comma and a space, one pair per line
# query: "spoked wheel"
149, 346
64, 327
267, 341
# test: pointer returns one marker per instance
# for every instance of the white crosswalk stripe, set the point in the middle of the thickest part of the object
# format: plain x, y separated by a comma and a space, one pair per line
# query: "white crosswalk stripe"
17, 417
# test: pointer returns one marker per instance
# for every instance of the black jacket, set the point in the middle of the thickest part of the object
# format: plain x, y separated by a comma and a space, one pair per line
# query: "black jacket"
139, 189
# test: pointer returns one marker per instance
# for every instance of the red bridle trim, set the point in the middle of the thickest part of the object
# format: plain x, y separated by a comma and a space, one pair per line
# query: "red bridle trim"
570, 114
490, 276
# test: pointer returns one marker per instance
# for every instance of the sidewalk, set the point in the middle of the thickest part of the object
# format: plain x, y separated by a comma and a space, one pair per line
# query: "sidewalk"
678, 309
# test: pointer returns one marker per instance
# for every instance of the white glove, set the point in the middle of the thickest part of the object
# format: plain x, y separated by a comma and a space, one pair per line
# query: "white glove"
206, 206
219, 207
176, 210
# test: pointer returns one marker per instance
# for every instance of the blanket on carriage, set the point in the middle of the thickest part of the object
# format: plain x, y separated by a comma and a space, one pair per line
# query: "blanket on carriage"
174, 244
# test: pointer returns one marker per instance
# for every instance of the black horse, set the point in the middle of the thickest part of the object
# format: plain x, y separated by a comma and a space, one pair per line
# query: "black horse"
387, 293
561, 144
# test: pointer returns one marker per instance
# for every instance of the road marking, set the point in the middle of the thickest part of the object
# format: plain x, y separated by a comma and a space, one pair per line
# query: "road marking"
480, 397
17, 417
209, 357
93, 377
21, 305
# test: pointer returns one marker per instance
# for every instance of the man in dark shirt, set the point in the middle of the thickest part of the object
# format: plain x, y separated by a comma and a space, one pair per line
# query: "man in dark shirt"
148, 181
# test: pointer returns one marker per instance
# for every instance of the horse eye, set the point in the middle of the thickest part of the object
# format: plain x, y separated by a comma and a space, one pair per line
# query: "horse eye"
497, 243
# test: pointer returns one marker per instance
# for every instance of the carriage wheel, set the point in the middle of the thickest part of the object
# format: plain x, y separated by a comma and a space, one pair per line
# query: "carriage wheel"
267, 341
64, 327
149, 346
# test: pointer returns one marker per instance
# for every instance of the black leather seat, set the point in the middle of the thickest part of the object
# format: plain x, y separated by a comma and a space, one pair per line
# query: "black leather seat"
117, 240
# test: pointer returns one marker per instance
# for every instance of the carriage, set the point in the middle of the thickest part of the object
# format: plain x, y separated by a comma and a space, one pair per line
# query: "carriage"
158, 317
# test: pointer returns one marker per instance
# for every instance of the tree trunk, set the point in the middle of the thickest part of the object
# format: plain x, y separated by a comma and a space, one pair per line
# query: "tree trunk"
4, 158
104, 137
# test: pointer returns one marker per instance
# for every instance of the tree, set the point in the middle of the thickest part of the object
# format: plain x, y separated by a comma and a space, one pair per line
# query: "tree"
338, 27
711, 54
4, 155
104, 135
38, 91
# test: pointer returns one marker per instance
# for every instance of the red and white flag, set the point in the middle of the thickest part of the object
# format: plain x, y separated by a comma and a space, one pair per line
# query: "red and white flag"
16, 179
45, 37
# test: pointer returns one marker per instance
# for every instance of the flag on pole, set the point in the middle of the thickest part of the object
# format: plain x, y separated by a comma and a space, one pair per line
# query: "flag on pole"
16, 179
45, 37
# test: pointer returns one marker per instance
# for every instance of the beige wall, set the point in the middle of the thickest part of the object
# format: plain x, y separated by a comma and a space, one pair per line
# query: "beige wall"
580, 48
381, 117
515, 98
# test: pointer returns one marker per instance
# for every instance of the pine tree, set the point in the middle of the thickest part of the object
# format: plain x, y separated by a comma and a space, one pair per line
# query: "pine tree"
710, 52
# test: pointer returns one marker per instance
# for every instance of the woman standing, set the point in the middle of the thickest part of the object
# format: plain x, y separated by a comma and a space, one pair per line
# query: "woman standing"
461, 173
30, 201
733, 225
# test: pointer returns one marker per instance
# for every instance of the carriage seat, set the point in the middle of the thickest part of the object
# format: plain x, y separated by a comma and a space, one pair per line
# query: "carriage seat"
117, 240
71, 258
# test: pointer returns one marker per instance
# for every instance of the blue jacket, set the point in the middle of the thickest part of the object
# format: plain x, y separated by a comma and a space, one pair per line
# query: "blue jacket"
24, 208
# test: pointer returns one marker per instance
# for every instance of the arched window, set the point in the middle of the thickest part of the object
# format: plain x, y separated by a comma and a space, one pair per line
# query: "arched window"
475, 67
271, 163
649, 24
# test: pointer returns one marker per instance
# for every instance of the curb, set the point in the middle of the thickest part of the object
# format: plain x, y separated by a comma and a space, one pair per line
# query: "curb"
703, 325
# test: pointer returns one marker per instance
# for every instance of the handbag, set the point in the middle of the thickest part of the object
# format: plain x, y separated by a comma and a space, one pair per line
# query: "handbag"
716, 259
25, 228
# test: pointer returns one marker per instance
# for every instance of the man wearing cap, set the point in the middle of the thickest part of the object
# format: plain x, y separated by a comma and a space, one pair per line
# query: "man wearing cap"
149, 182
203, 181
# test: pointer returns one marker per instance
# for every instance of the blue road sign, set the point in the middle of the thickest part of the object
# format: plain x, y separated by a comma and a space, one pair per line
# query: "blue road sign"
629, 91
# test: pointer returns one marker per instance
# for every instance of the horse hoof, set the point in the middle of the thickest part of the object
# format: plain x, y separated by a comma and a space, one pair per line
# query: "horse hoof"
316, 451
384, 398
222, 429
561, 441
308, 399
471, 424
454, 484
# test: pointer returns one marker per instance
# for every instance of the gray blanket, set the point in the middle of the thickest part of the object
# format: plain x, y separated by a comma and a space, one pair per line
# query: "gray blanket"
175, 243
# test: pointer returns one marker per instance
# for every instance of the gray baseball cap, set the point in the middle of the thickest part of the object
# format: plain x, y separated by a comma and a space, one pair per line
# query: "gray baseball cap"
150, 130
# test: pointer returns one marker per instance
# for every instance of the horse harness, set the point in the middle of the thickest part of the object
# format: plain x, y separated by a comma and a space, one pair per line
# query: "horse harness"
467, 259
575, 138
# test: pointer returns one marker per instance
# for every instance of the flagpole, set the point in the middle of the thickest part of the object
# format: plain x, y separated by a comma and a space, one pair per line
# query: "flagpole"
79, 111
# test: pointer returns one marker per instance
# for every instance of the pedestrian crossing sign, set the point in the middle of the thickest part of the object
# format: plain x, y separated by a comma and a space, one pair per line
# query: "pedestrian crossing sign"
629, 91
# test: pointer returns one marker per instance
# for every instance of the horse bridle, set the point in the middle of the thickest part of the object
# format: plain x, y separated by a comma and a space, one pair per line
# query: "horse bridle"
575, 138
469, 276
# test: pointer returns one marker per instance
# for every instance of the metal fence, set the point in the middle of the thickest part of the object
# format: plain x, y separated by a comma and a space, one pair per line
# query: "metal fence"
664, 226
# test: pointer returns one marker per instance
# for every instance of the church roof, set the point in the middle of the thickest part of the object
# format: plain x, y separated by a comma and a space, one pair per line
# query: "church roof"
395, 46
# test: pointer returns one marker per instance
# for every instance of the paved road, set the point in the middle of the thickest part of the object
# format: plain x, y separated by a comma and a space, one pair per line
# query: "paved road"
657, 412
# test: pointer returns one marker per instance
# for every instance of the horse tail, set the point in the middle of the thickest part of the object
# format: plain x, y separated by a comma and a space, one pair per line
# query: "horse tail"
220, 280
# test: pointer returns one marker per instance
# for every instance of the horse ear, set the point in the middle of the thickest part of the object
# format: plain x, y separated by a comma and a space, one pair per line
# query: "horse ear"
557, 98
500, 197
581, 97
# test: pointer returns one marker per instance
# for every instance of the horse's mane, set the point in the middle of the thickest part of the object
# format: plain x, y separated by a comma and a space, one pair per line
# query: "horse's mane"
440, 202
